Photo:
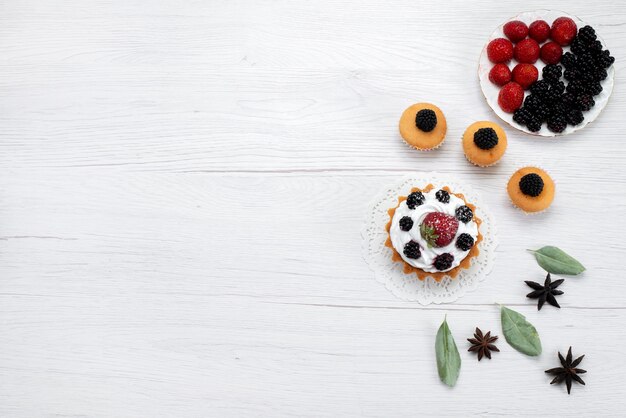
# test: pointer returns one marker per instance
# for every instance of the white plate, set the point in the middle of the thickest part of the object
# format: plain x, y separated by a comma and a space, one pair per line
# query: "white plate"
490, 90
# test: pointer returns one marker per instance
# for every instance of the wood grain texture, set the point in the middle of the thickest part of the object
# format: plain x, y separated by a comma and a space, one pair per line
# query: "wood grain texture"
182, 190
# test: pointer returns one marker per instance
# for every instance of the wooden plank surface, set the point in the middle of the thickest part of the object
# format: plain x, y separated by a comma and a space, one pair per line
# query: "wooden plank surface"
182, 190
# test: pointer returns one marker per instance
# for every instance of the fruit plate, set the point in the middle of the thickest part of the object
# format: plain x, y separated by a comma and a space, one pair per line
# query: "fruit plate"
490, 90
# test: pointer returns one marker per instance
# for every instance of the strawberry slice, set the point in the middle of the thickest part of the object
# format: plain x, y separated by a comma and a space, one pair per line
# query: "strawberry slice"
438, 229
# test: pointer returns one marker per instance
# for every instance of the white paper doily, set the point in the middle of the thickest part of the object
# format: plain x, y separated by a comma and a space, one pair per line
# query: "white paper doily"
408, 286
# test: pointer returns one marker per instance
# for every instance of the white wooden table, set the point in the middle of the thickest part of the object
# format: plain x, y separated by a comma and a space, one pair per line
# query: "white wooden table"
182, 187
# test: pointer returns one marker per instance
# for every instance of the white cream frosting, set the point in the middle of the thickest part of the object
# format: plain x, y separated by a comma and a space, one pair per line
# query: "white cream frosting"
400, 238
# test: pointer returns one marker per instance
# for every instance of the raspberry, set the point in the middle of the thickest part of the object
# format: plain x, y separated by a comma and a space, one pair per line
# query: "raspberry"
443, 261
575, 117
464, 214
406, 223
426, 120
551, 52
563, 30
552, 73
515, 30
539, 30
464, 242
443, 196
526, 51
412, 250
525, 75
415, 199
500, 50
511, 97
531, 185
485, 138
500, 74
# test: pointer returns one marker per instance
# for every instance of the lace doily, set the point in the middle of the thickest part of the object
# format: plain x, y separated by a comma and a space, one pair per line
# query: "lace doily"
408, 286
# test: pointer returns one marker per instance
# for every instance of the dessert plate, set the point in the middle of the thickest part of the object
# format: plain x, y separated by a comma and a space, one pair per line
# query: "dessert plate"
490, 90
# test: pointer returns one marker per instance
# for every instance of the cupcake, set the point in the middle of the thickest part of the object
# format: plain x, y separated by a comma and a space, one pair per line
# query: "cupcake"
484, 143
423, 126
531, 189
433, 233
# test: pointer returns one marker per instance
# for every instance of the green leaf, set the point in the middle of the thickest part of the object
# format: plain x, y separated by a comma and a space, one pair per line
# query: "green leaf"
556, 261
448, 358
520, 333
429, 234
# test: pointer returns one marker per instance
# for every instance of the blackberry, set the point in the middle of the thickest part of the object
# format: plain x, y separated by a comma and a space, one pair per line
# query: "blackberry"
594, 88
552, 95
585, 102
539, 88
426, 120
575, 117
552, 72
558, 86
577, 47
532, 101
531, 184
594, 47
443, 196
568, 60
464, 214
557, 123
406, 223
534, 125
558, 109
587, 34
443, 261
522, 115
575, 87
464, 242
415, 199
412, 250
586, 63
600, 74
604, 59
485, 138
571, 74
568, 99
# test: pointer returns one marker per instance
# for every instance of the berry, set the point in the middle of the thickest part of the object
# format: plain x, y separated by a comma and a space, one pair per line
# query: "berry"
526, 51
558, 109
415, 199
443, 261
568, 100
553, 95
575, 117
600, 74
577, 47
558, 87
511, 97
464, 214
534, 125
426, 120
594, 88
587, 34
551, 52
500, 50
568, 60
464, 242
605, 60
486, 138
531, 184
595, 47
406, 223
563, 30
443, 196
539, 30
585, 102
522, 115
500, 74
438, 229
571, 74
575, 87
412, 250
552, 73
557, 124
525, 75
515, 30
540, 88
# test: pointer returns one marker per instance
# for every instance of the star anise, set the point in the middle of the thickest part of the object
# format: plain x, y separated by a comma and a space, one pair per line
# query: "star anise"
483, 344
545, 293
568, 372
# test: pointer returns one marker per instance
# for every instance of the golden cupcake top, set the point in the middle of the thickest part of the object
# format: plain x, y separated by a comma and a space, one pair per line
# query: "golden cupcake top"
484, 143
531, 189
423, 126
